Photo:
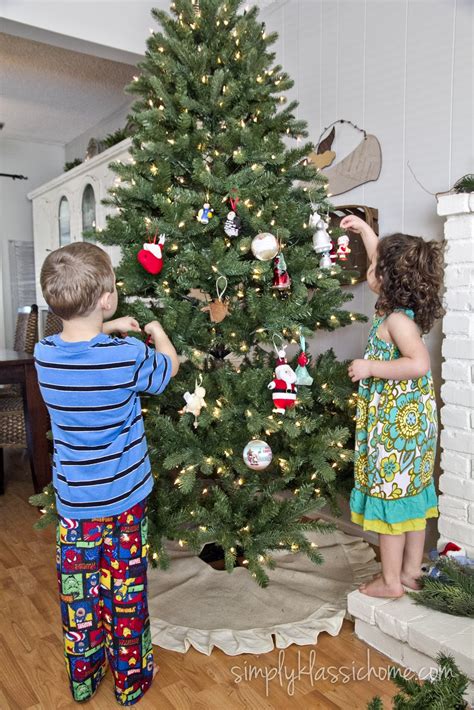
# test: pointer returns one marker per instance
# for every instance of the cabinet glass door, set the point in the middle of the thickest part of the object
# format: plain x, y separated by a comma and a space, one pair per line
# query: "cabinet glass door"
88, 212
64, 219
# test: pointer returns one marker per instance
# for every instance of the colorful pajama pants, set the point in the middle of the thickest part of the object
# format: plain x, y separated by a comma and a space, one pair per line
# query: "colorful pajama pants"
101, 565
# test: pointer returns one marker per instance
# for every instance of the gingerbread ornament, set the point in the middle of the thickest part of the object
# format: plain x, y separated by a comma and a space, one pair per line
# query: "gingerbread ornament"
218, 309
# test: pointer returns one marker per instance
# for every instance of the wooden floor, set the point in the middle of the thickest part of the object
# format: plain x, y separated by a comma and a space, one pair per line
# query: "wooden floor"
32, 673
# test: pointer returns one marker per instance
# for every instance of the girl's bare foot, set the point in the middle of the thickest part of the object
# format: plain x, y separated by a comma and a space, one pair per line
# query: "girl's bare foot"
156, 668
410, 581
379, 588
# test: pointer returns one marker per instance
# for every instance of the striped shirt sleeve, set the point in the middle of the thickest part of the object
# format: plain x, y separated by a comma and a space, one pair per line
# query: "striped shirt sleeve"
152, 370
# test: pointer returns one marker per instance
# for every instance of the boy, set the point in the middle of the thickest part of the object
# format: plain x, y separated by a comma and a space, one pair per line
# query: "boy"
101, 472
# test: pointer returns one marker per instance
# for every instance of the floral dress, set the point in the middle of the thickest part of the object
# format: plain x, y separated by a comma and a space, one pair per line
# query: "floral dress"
396, 435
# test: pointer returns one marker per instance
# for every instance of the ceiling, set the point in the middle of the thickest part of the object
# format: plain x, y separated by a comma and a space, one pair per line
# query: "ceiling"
50, 94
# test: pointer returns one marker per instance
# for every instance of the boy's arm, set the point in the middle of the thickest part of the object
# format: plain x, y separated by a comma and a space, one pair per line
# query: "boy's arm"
356, 224
415, 360
163, 344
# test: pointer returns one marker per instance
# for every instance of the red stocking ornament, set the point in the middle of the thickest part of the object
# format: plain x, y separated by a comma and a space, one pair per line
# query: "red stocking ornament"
151, 256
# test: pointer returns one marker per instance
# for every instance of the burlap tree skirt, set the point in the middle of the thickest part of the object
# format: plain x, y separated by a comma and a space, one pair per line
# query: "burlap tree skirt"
192, 604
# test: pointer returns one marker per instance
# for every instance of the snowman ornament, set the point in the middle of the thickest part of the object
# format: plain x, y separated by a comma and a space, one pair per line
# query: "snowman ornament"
205, 214
283, 385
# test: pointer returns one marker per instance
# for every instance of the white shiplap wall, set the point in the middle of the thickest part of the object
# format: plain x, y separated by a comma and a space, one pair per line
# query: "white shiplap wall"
401, 69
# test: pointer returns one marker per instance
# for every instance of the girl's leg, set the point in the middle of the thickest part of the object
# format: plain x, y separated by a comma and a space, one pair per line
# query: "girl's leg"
78, 553
412, 558
125, 612
389, 583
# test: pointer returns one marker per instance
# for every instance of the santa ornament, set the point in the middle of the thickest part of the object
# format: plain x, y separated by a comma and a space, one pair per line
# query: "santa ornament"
283, 385
205, 214
151, 255
343, 247
281, 277
233, 222
302, 375
195, 401
218, 309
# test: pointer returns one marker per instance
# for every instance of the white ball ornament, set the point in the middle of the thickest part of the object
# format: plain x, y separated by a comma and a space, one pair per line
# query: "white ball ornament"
264, 246
257, 455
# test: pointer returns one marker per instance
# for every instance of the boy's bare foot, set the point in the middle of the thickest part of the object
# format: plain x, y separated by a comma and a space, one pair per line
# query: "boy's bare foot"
378, 588
156, 668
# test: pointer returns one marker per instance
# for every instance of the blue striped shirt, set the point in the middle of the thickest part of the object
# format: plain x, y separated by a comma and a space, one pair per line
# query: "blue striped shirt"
100, 463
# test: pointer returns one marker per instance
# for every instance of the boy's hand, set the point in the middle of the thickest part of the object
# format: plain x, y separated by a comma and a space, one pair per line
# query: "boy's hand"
121, 325
359, 370
162, 343
154, 329
354, 223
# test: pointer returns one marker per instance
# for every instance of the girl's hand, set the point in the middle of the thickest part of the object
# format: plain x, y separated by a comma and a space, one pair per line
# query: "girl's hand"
356, 224
121, 325
360, 370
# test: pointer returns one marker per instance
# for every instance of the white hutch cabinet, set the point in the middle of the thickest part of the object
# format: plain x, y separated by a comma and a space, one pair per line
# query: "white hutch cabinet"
70, 204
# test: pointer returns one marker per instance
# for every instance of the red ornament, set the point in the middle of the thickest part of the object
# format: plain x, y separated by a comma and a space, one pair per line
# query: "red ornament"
151, 256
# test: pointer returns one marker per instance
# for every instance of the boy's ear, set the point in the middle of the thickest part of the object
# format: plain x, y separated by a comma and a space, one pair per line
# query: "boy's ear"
105, 301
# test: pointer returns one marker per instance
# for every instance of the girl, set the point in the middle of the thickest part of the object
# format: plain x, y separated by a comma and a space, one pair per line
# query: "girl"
396, 424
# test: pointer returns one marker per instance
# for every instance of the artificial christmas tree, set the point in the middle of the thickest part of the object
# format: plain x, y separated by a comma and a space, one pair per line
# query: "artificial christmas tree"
212, 135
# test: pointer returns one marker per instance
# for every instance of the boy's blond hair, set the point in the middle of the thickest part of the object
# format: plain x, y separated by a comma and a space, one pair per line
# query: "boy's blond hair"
74, 277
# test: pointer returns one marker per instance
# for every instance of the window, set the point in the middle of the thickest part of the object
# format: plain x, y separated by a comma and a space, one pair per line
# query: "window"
88, 210
64, 222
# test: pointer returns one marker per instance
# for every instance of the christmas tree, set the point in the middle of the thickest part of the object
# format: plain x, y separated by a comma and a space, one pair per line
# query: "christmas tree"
443, 692
217, 158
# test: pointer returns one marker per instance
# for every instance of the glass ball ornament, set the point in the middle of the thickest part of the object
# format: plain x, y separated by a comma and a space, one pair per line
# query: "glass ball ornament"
321, 238
257, 455
264, 246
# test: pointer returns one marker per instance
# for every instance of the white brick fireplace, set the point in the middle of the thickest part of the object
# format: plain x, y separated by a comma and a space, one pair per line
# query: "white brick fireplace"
456, 483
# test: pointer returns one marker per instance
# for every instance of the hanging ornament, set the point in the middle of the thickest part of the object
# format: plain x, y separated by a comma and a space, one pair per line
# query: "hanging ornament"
321, 238
233, 222
205, 214
151, 255
302, 375
218, 309
257, 455
195, 401
325, 261
343, 247
283, 383
281, 277
314, 219
322, 244
265, 246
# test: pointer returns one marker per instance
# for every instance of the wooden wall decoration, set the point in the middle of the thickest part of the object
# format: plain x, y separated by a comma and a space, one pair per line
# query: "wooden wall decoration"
357, 259
362, 165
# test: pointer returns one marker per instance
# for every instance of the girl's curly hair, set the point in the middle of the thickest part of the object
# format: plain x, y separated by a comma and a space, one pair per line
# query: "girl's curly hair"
410, 273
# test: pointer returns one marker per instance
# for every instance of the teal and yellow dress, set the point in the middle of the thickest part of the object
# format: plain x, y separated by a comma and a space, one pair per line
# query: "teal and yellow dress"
396, 436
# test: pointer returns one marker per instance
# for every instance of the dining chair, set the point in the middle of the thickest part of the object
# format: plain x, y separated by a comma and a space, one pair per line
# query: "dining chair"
12, 418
